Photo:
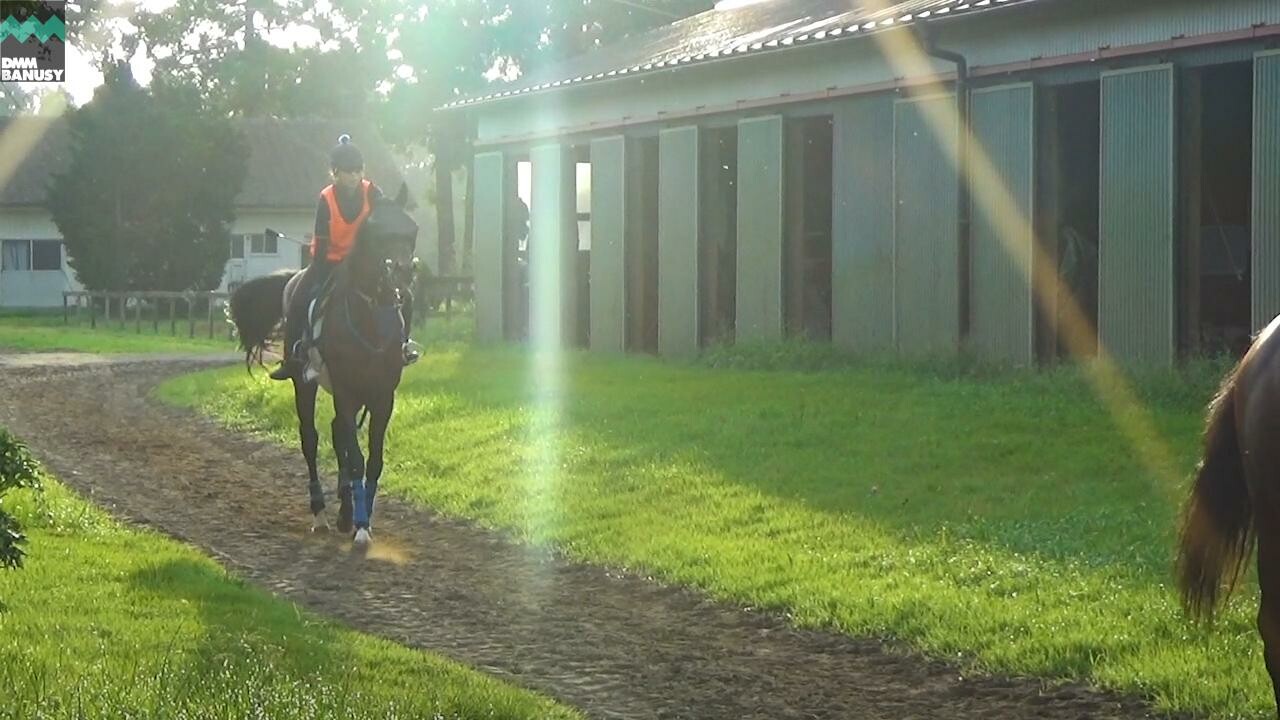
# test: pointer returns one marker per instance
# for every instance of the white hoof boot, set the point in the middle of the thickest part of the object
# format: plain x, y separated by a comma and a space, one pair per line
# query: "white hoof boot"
319, 523
363, 537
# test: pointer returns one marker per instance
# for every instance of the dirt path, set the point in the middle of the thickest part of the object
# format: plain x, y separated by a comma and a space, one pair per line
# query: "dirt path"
614, 646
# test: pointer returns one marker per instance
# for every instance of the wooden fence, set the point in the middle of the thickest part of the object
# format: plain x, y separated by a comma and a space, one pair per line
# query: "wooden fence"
116, 306
445, 290
435, 292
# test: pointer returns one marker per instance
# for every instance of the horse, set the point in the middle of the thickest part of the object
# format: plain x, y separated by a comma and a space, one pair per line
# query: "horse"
359, 350
1234, 502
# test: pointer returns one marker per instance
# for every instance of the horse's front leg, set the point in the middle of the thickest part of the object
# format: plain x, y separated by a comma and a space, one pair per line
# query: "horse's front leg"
379, 419
304, 399
344, 480
352, 461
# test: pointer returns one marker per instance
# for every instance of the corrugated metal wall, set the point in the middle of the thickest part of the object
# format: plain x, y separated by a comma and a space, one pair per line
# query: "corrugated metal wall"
862, 225
678, 229
489, 209
1136, 285
1266, 189
552, 248
609, 157
1001, 303
926, 246
759, 280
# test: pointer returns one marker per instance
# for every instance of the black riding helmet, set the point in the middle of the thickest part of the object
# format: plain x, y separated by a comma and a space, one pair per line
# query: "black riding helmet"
345, 156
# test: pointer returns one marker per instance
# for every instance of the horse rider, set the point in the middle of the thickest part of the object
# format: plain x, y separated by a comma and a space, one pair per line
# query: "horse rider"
340, 214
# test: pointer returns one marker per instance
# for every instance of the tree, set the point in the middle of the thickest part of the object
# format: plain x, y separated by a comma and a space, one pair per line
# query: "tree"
395, 60
146, 202
17, 470
14, 100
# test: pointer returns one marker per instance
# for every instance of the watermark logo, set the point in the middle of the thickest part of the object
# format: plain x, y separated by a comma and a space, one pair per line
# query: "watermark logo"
33, 41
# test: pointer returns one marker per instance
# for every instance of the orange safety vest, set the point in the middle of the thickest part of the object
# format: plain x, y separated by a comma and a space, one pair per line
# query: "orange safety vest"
342, 234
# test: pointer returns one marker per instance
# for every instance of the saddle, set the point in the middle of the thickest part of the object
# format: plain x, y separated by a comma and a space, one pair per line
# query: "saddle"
315, 327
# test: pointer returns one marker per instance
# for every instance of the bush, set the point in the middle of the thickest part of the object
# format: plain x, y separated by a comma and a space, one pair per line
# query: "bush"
17, 470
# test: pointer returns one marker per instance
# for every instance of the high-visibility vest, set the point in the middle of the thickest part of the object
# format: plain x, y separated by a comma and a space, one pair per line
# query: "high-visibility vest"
342, 234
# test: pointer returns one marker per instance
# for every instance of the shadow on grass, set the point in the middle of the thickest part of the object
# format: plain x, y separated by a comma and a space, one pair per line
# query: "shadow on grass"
1029, 461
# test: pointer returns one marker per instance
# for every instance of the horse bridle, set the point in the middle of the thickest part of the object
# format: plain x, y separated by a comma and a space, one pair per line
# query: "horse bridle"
387, 283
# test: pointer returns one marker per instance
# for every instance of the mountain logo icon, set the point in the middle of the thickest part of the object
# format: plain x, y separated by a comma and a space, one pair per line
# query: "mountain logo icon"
33, 40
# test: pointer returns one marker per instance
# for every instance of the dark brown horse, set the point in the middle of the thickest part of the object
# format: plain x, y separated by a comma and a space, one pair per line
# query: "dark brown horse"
1235, 502
358, 354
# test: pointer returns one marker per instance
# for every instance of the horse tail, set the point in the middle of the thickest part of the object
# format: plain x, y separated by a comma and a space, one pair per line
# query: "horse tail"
255, 309
1217, 532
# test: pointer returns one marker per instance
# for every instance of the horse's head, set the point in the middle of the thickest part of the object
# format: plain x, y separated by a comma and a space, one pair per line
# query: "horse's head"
383, 261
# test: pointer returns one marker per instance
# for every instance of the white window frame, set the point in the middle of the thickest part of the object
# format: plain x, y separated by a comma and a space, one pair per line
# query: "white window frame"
31, 254
251, 238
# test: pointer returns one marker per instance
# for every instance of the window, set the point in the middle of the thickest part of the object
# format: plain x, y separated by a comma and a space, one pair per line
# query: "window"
263, 244
18, 255
46, 255
237, 247
15, 255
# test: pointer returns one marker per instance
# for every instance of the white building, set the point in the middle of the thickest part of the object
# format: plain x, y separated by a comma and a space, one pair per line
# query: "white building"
288, 166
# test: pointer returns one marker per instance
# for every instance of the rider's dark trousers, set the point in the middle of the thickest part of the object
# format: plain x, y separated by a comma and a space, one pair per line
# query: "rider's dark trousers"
313, 278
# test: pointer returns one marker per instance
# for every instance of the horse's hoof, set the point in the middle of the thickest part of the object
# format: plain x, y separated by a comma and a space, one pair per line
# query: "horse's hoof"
363, 537
319, 523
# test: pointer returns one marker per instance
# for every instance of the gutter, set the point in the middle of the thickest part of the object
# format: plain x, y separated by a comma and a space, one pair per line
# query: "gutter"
964, 218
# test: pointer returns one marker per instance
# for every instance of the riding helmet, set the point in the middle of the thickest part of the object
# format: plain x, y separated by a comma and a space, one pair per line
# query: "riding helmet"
345, 155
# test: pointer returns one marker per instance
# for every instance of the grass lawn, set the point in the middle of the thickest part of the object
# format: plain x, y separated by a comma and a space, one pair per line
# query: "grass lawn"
105, 621
999, 520
45, 332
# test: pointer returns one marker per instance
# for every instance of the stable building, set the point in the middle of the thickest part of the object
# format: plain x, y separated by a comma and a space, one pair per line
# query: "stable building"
1020, 179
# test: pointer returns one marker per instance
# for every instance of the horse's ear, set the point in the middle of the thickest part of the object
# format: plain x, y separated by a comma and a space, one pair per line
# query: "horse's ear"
402, 197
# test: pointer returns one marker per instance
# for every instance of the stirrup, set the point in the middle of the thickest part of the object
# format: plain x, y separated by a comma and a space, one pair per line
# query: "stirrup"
411, 351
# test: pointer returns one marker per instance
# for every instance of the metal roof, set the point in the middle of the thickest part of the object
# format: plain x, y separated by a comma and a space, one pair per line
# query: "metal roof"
766, 25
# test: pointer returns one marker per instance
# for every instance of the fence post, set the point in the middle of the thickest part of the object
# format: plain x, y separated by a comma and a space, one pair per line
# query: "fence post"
210, 302
137, 317
173, 316
65, 320
191, 317
155, 318
93, 313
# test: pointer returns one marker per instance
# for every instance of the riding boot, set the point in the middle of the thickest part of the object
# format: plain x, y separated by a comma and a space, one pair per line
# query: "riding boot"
410, 349
295, 350
291, 365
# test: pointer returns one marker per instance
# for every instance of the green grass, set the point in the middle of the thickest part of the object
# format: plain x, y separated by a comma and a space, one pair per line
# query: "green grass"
45, 332
999, 520
107, 622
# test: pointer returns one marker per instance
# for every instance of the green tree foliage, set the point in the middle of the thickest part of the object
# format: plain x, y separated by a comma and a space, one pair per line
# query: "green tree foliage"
14, 100
146, 202
392, 60
17, 470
